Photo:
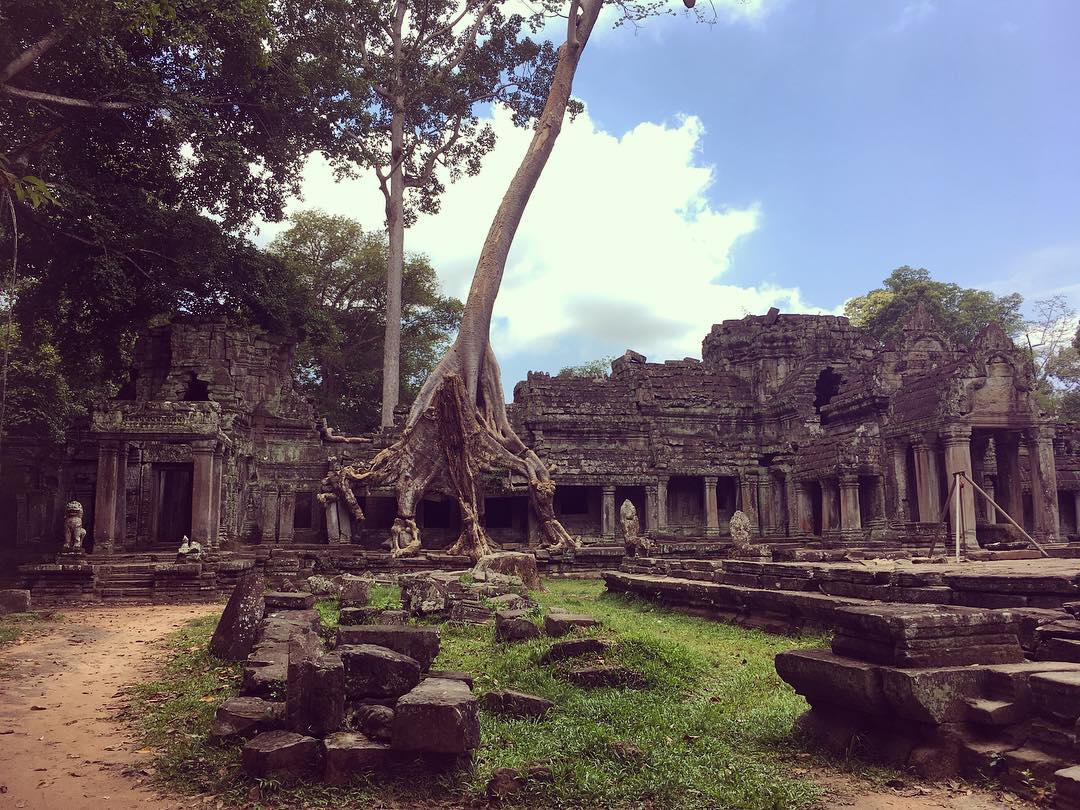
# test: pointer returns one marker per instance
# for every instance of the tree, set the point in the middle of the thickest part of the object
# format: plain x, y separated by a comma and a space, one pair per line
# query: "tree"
123, 125
429, 65
597, 369
345, 269
458, 428
1053, 340
962, 312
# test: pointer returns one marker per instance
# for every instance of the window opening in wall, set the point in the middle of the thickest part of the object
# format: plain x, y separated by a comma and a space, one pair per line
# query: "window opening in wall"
827, 386
302, 513
197, 390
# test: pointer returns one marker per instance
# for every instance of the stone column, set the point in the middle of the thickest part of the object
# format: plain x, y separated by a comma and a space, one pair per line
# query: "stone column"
333, 531
766, 516
652, 507
990, 513
927, 482
805, 509
1009, 491
287, 512
105, 498
712, 514
958, 459
1046, 520
344, 521
829, 518
269, 523
202, 483
661, 502
748, 499
607, 512
850, 510
901, 508
215, 497
120, 521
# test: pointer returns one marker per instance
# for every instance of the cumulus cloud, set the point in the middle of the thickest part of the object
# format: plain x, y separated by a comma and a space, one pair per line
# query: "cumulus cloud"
622, 244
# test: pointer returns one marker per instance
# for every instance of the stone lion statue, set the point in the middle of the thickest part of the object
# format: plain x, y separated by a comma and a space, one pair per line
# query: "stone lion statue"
73, 528
740, 528
635, 544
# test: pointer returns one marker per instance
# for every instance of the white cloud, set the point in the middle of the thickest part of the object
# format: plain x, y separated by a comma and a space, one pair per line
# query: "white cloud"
914, 13
621, 243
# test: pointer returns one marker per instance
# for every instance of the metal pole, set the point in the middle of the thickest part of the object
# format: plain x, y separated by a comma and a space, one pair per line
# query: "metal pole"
1019, 528
956, 510
941, 517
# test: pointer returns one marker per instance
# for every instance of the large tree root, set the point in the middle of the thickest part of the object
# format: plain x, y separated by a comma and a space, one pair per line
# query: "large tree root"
448, 440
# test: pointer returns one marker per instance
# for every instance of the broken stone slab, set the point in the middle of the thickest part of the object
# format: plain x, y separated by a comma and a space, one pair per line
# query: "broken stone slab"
509, 601
470, 611
1067, 788
244, 717
375, 721
14, 600
419, 643
573, 648
375, 671
398, 618
827, 679
315, 691
438, 716
514, 625
281, 600
452, 675
266, 669
238, 628
281, 754
901, 622
998, 648
516, 704
347, 754
932, 696
559, 624
513, 563
355, 591
606, 676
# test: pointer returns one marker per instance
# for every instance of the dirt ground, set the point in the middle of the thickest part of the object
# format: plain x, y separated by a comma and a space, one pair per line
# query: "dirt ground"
61, 749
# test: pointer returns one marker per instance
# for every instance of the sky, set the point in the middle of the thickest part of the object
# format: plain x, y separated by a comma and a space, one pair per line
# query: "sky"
790, 155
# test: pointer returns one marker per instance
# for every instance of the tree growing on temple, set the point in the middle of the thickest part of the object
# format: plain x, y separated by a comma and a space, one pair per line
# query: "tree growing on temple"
428, 66
458, 428
339, 360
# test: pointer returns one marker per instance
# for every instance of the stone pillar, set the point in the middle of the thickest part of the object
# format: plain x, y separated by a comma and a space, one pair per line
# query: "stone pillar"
105, 498
661, 502
1009, 491
608, 520
766, 515
1046, 520
202, 484
748, 500
990, 514
927, 482
712, 515
269, 522
287, 512
958, 459
850, 510
333, 530
652, 507
829, 518
344, 521
215, 497
901, 507
120, 521
805, 509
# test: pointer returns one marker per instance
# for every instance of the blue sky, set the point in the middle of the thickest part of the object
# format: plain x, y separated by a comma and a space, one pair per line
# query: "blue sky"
794, 153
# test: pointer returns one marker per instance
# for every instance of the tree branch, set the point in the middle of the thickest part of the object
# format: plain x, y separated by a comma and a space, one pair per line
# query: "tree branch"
66, 101
31, 54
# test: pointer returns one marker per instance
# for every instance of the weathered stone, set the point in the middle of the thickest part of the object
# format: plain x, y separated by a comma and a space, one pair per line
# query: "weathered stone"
607, 676
901, 622
452, 675
280, 600
739, 526
513, 563
375, 721
244, 717
281, 754
573, 648
238, 627
469, 611
315, 702
438, 716
1056, 694
373, 671
398, 618
419, 643
509, 601
13, 600
284, 624
321, 586
559, 624
824, 678
347, 755
930, 695
355, 591
514, 625
516, 704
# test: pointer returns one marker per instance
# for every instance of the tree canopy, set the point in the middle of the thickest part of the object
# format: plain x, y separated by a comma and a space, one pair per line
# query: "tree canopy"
961, 311
344, 267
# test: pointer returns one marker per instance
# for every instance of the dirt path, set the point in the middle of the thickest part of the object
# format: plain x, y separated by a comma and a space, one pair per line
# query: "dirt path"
59, 749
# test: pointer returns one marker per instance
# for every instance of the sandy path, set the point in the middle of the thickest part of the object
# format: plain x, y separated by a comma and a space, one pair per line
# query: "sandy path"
59, 749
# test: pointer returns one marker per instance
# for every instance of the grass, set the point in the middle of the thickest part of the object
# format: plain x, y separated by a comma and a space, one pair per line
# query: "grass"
713, 729
14, 626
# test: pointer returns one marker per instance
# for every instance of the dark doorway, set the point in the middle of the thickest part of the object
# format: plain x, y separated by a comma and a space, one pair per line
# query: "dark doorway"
827, 386
173, 503
813, 489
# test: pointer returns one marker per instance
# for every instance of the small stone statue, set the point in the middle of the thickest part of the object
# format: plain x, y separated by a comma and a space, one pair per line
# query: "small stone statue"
189, 550
740, 529
635, 544
73, 528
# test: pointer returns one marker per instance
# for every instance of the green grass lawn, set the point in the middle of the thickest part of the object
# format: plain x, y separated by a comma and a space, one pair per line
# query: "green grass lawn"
712, 730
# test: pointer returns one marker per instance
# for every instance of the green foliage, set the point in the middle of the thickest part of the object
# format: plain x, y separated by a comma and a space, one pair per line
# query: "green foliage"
961, 312
344, 267
597, 369
713, 729
385, 597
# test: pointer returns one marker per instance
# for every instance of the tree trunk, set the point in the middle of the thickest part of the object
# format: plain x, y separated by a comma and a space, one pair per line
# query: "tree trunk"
458, 427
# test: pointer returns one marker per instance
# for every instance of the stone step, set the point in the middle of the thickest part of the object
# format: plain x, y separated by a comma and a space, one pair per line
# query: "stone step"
1028, 767
989, 712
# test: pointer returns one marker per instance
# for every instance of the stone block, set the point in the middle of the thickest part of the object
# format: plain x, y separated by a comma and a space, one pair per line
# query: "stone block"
244, 717
573, 648
516, 704
281, 625
512, 563
355, 591
826, 680
347, 755
901, 622
931, 696
280, 600
438, 716
281, 754
375, 721
315, 691
1056, 695
514, 625
452, 675
374, 671
419, 643
15, 600
560, 624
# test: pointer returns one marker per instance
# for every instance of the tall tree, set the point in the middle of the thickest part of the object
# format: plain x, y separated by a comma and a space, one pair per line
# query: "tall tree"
1052, 337
458, 427
430, 64
961, 311
345, 268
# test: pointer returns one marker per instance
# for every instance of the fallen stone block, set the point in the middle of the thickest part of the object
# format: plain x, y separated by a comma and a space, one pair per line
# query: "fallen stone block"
573, 648
315, 702
827, 679
470, 611
298, 600
438, 716
559, 624
283, 624
238, 628
509, 601
514, 625
374, 671
375, 721
347, 754
516, 704
419, 643
14, 600
281, 754
244, 717
452, 675
355, 591
512, 563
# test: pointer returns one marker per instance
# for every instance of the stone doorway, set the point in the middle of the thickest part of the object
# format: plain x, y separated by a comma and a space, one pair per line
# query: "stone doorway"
173, 507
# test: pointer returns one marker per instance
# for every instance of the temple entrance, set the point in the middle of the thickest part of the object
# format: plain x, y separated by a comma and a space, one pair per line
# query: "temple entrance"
173, 507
